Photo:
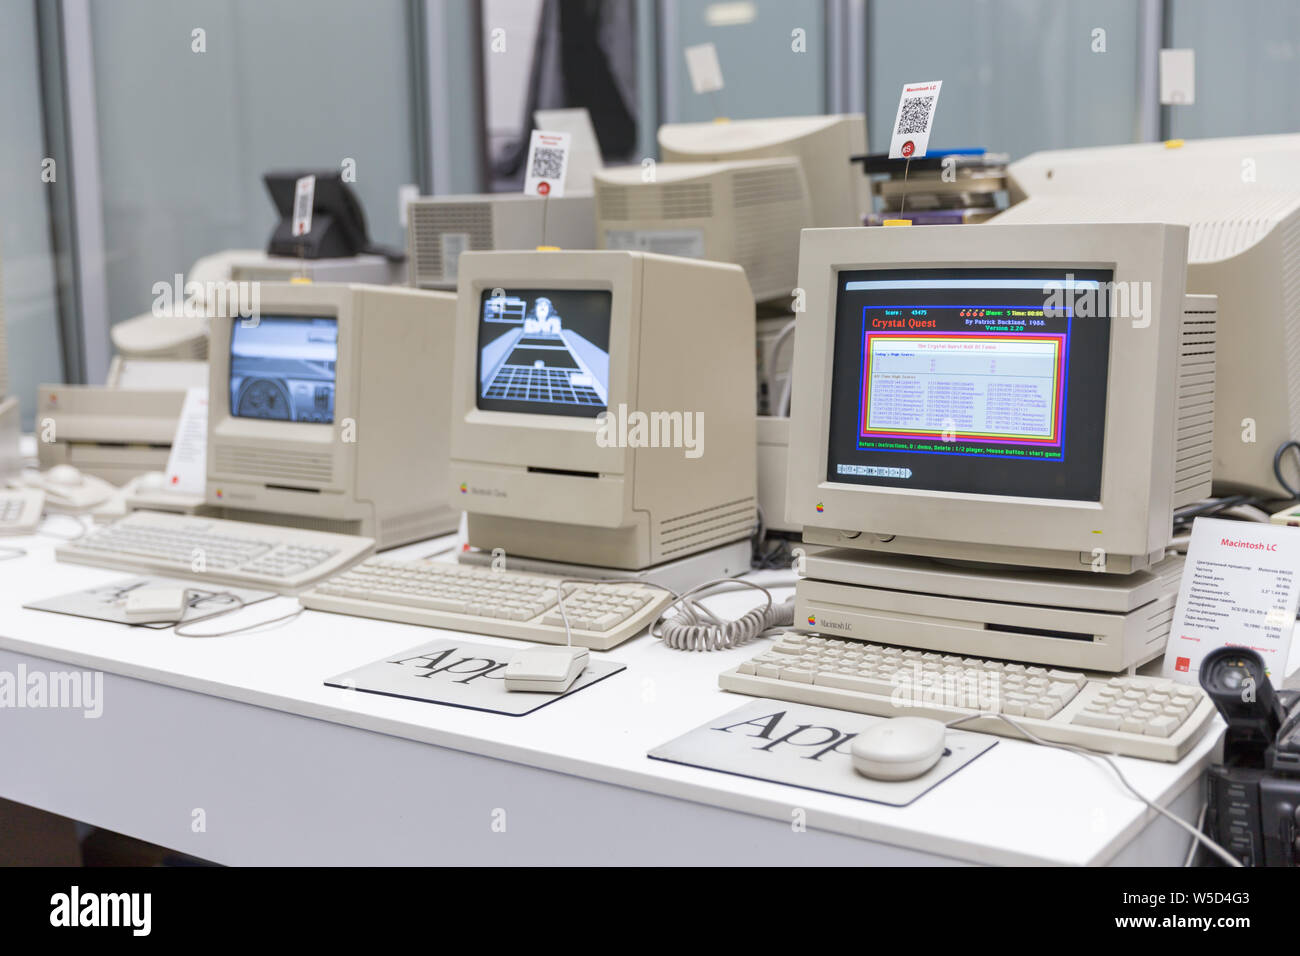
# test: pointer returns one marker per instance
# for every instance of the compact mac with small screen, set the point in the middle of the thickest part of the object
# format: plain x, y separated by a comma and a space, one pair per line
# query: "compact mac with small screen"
282, 368
329, 411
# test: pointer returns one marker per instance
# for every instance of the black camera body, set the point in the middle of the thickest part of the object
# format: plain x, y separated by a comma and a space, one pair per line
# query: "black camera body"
1253, 797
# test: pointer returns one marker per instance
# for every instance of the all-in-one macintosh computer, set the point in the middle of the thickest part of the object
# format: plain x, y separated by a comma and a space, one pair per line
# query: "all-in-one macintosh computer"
327, 434
602, 426
991, 428
1239, 198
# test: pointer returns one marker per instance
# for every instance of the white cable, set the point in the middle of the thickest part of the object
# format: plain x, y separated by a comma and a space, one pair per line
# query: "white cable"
8, 553
240, 604
1083, 752
685, 632
1200, 828
559, 596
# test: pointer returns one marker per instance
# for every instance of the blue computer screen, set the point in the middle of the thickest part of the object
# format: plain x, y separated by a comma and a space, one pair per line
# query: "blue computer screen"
282, 368
988, 381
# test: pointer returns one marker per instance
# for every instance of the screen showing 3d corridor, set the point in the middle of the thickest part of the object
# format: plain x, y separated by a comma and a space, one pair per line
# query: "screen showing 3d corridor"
544, 351
981, 381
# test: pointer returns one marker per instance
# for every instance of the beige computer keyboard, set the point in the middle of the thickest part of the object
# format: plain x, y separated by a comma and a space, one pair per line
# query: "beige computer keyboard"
218, 551
481, 600
1146, 717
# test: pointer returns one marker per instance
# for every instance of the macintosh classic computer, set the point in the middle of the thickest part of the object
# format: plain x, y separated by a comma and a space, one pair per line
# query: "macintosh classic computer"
990, 430
603, 411
329, 411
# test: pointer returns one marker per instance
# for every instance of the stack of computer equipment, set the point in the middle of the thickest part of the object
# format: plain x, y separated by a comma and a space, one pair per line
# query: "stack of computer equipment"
941, 188
991, 429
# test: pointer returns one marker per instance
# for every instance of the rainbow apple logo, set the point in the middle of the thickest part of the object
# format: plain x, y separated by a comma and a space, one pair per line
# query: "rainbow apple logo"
820, 509
463, 488
812, 619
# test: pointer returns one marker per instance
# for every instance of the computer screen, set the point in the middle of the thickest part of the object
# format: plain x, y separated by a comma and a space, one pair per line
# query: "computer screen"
282, 368
985, 381
544, 351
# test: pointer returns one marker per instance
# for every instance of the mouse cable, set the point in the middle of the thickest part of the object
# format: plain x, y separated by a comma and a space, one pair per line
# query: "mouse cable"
694, 627
1084, 752
239, 604
1200, 828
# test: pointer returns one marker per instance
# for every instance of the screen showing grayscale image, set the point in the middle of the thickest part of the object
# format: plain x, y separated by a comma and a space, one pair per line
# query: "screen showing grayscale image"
282, 368
544, 351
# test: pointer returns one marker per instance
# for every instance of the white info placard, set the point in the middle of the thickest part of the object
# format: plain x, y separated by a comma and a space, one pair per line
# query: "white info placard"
1239, 589
548, 162
187, 463
304, 197
704, 69
915, 117
1177, 77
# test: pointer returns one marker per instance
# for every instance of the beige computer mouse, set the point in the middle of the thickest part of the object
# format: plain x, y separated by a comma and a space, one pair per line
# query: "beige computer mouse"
900, 748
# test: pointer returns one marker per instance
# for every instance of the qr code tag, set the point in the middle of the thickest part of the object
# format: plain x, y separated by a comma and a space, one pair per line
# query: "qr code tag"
304, 197
911, 136
548, 162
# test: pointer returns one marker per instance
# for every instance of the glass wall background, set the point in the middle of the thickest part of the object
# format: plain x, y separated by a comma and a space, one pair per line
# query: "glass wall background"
1018, 75
185, 136
409, 90
27, 262
1247, 67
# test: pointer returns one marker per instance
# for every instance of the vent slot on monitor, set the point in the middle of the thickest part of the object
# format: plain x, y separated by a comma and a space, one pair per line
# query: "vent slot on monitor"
656, 202
430, 221
1194, 418
770, 211
273, 465
718, 525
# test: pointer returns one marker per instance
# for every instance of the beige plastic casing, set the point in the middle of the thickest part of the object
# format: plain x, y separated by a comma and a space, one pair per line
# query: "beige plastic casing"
840, 193
748, 212
491, 221
1244, 247
380, 469
681, 338
1130, 524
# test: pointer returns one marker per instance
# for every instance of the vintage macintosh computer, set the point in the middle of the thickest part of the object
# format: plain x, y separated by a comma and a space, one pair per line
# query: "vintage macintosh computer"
824, 145
440, 228
327, 437
602, 426
1244, 247
990, 433
748, 212
330, 411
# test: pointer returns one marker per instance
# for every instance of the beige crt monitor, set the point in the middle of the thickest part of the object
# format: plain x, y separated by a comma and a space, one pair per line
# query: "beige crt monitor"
748, 212
329, 411
1244, 247
603, 412
824, 146
440, 228
989, 437
938, 411
1201, 167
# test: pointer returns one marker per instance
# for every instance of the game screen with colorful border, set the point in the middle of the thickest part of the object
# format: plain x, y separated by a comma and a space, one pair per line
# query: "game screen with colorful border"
987, 381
